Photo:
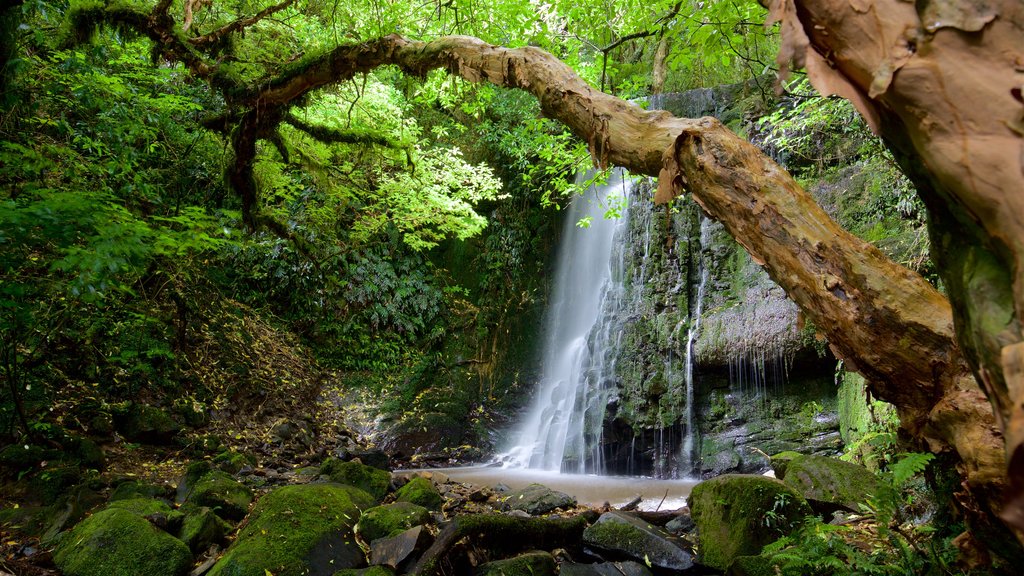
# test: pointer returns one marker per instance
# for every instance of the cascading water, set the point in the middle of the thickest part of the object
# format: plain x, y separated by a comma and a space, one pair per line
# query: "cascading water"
563, 424
687, 456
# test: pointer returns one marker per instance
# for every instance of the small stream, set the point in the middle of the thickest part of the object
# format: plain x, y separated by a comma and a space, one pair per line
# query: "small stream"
588, 489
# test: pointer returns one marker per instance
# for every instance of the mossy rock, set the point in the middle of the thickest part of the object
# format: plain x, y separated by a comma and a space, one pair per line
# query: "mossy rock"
781, 461
231, 462
201, 528
227, 496
84, 452
116, 542
753, 566
829, 484
390, 520
141, 506
49, 484
621, 533
297, 530
422, 492
148, 424
371, 480
133, 489
187, 483
736, 515
529, 564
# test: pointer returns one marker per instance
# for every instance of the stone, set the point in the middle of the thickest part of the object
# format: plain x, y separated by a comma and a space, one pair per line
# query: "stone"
622, 533
201, 528
737, 514
753, 566
680, 524
829, 483
529, 564
397, 551
286, 432
420, 491
781, 461
134, 489
232, 462
371, 571
218, 490
147, 424
390, 520
538, 499
373, 481
304, 529
116, 542
603, 569
376, 458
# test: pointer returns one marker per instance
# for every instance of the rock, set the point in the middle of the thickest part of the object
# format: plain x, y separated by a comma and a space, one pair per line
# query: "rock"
603, 569
193, 473
371, 571
376, 458
390, 520
829, 484
155, 511
422, 492
397, 551
201, 528
781, 461
218, 490
737, 514
538, 499
69, 511
681, 524
51, 483
133, 489
287, 432
298, 530
529, 564
116, 542
622, 533
232, 462
85, 452
147, 424
373, 481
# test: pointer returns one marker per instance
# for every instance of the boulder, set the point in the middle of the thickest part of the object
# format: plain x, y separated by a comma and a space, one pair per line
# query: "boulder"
398, 551
225, 495
147, 424
373, 481
529, 564
298, 530
133, 489
829, 484
116, 542
371, 571
201, 528
232, 462
422, 492
538, 499
376, 458
622, 534
390, 520
603, 569
781, 461
736, 515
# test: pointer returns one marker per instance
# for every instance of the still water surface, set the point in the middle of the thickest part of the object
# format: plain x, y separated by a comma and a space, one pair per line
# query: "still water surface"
588, 489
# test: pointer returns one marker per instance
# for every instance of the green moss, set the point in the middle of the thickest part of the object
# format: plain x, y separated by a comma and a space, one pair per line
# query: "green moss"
141, 506
132, 489
231, 461
116, 542
371, 571
781, 461
218, 490
201, 528
420, 491
736, 515
293, 526
753, 566
367, 478
529, 564
390, 520
831, 481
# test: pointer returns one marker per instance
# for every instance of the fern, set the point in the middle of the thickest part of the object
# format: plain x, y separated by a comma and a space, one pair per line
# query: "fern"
910, 465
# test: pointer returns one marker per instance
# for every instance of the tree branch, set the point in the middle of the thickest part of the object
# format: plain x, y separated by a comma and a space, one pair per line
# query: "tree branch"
216, 36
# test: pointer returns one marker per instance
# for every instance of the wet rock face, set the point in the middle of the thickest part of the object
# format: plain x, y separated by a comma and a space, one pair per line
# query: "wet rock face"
622, 534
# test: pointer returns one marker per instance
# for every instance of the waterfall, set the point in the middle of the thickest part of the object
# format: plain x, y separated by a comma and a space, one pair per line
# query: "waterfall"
562, 427
687, 458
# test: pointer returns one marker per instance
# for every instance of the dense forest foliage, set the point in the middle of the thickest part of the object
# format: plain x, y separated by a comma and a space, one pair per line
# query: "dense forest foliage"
372, 257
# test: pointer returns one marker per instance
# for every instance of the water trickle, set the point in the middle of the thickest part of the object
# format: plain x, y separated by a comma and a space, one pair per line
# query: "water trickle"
562, 426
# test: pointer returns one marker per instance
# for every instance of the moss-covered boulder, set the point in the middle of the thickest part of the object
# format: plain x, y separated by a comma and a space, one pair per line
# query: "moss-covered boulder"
225, 495
298, 530
232, 462
141, 506
390, 520
143, 423
422, 492
48, 485
829, 484
116, 542
538, 499
371, 571
132, 489
622, 534
201, 528
529, 564
373, 481
781, 461
736, 515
